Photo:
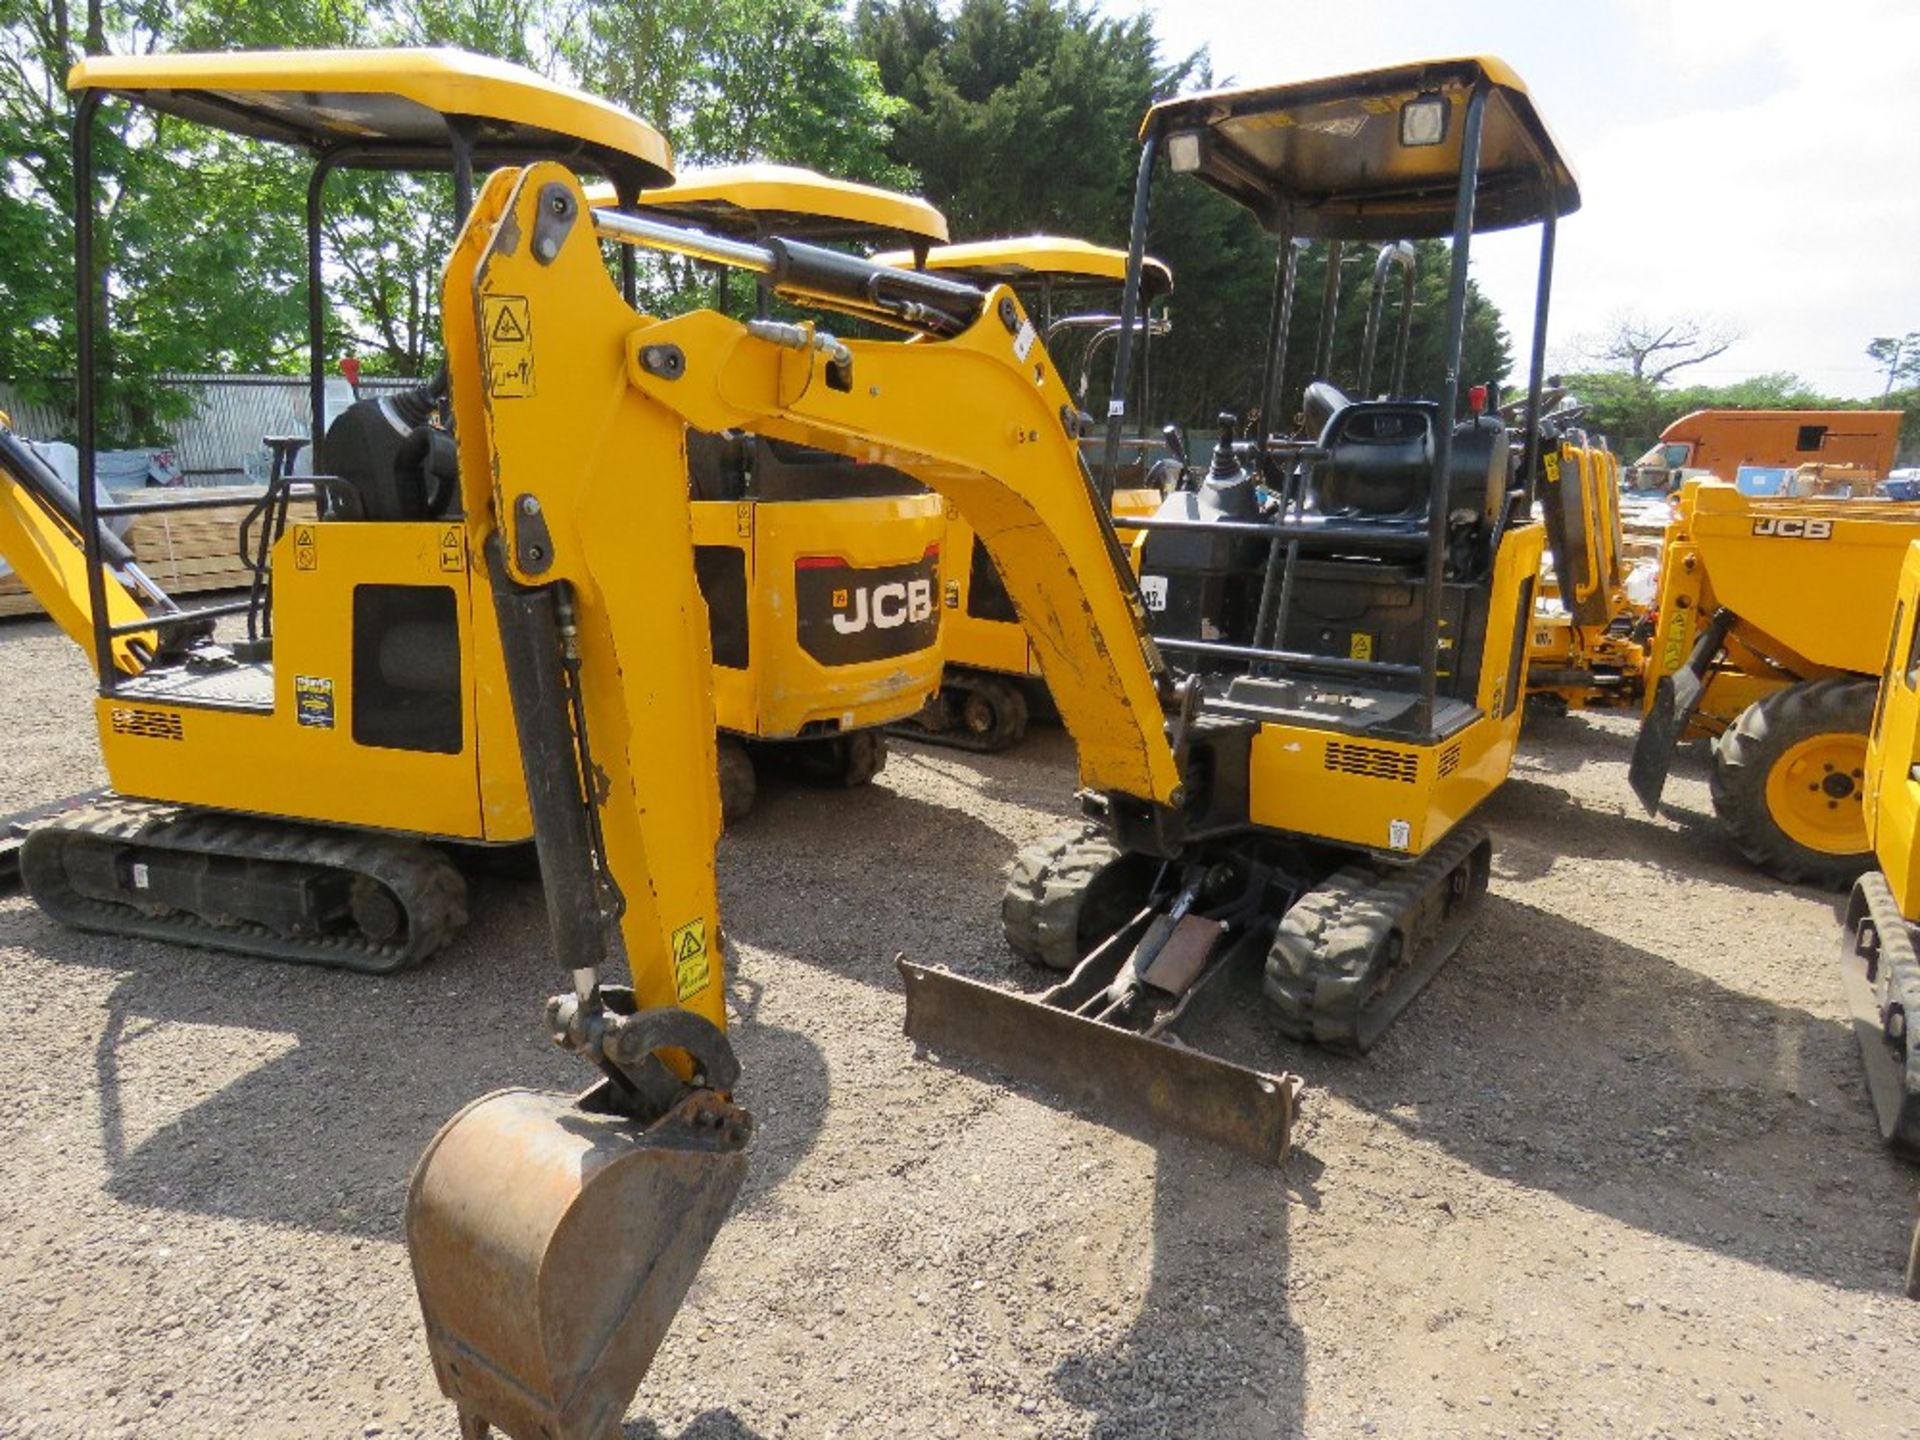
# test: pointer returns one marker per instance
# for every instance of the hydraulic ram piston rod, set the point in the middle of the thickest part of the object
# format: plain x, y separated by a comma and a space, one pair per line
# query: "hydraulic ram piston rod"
906, 297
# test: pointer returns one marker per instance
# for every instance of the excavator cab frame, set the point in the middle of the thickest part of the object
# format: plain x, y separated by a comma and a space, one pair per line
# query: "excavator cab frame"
394, 110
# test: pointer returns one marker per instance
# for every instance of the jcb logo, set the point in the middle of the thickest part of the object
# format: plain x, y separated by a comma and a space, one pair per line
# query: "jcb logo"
847, 614
1794, 527
885, 607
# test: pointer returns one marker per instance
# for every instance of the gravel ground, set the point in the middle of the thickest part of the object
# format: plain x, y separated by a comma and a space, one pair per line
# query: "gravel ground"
1614, 1175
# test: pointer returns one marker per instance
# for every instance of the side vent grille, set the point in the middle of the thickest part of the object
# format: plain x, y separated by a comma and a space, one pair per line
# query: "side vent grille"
150, 724
1449, 759
1371, 761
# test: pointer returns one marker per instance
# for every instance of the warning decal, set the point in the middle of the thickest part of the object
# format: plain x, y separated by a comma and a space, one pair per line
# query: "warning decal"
453, 556
313, 701
1360, 646
508, 326
306, 555
691, 972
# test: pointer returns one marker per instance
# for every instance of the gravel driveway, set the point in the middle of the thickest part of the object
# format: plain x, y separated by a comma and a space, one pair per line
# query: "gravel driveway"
1613, 1176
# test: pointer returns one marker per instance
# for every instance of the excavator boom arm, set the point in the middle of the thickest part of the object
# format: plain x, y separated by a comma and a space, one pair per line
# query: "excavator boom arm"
553, 1240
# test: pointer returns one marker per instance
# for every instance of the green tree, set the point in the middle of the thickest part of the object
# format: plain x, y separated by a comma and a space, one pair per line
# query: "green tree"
1898, 356
1023, 115
199, 240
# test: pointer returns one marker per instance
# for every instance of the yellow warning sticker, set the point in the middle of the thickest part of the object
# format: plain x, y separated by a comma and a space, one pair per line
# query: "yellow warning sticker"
1360, 646
453, 554
1550, 463
691, 970
306, 554
508, 326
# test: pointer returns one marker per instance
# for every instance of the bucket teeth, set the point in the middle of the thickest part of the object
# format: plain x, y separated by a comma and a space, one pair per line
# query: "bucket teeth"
552, 1247
1115, 1074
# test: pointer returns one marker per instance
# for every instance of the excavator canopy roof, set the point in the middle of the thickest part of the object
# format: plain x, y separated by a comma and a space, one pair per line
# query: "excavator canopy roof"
1373, 155
1061, 260
752, 200
392, 106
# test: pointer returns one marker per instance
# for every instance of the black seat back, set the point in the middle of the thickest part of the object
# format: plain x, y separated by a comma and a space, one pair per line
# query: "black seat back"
1379, 463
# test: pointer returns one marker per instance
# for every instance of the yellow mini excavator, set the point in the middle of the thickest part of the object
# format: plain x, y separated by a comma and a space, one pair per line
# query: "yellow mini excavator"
294, 793
1286, 797
302, 804
990, 675
819, 571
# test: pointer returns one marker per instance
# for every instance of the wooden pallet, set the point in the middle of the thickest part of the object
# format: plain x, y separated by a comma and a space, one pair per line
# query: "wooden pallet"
185, 551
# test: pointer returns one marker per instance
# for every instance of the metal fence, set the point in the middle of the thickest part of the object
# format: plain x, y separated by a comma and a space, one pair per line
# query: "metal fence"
219, 441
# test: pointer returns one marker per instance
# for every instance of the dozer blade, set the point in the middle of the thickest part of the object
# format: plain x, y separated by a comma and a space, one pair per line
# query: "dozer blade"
552, 1247
1106, 1070
1675, 699
1882, 979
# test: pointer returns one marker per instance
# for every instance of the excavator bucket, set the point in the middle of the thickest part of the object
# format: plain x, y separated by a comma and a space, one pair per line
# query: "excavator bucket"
1148, 1080
552, 1247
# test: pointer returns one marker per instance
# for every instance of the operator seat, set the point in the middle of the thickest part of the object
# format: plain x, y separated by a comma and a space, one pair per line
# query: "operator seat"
386, 452
1379, 464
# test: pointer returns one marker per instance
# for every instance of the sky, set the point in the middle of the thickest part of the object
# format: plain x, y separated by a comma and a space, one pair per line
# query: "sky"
1754, 164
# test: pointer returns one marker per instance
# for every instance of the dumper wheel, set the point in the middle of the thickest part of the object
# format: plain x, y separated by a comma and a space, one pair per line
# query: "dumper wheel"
1787, 782
1066, 894
846, 760
739, 786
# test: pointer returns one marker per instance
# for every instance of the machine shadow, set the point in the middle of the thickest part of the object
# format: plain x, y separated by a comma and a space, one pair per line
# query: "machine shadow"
708, 1425
1212, 1342
378, 1064
781, 890
1537, 826
1720, 1120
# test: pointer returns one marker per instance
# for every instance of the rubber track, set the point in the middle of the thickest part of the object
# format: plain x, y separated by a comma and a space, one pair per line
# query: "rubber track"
1012, 713
1329, 971
1040, 911
430, 890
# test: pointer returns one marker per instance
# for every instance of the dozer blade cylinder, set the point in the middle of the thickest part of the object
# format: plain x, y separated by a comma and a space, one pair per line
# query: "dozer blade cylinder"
552, 1247
1112, 1073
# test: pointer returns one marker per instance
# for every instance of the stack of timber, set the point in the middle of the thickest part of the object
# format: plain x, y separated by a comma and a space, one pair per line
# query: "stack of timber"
184, 551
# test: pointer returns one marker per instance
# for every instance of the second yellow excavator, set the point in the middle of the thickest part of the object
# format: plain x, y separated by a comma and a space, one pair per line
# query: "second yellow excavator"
990, 677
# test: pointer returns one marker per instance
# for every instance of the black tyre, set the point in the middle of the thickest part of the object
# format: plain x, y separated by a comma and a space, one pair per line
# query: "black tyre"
990, 713
845, 760
739, 786
1067, 894
1787, 779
